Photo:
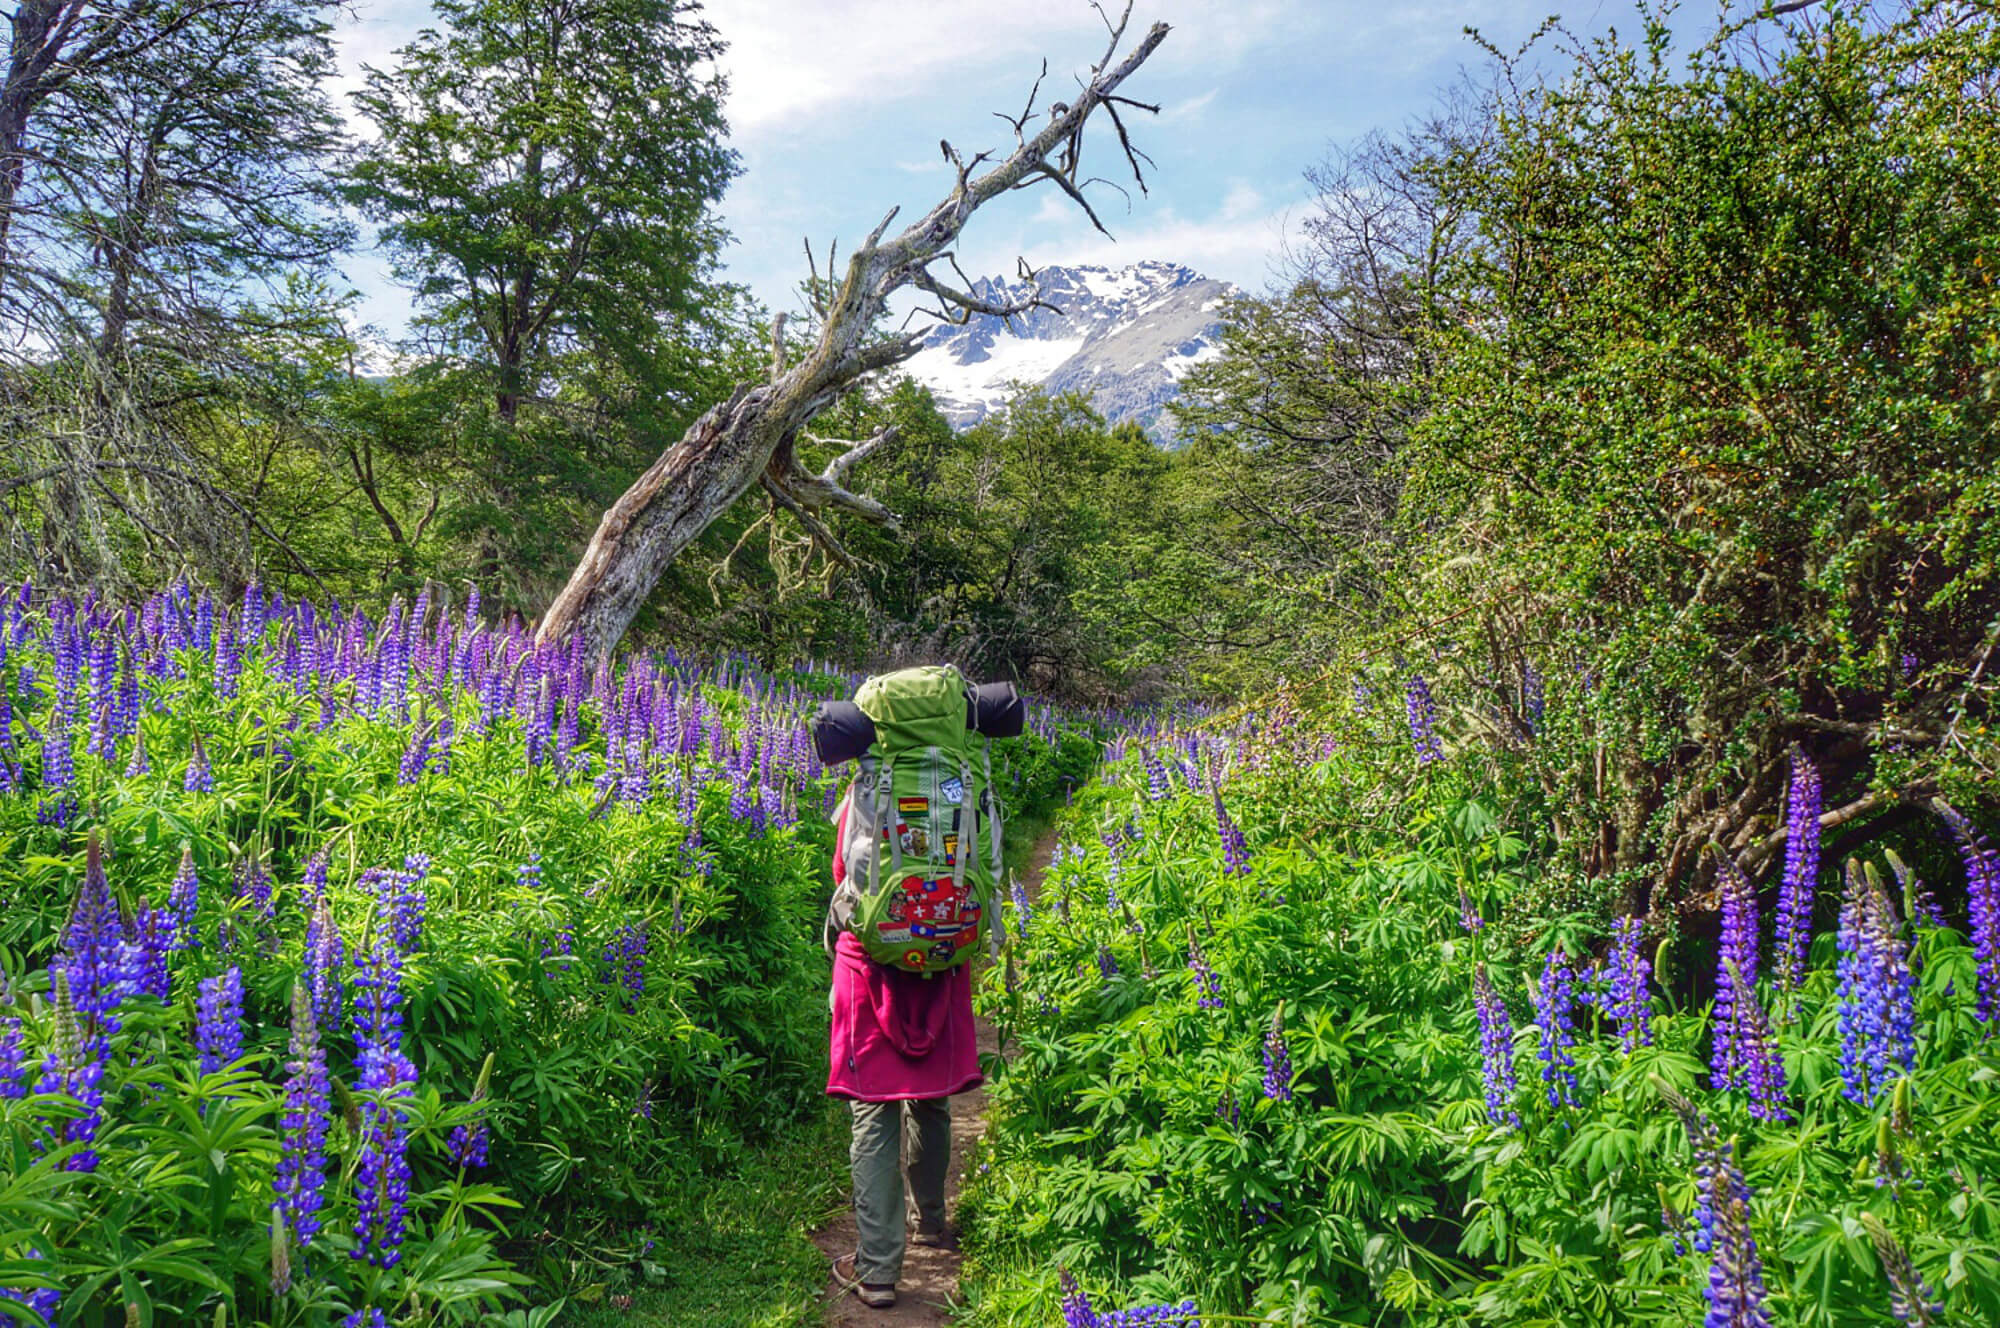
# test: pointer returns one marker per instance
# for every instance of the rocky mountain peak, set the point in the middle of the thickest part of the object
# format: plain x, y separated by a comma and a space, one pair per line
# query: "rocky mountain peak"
1122, 336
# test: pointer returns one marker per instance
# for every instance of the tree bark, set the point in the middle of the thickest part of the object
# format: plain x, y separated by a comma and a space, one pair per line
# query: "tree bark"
749, 438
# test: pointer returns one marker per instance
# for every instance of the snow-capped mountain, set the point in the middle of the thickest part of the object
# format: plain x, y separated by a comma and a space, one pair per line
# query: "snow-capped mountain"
1124, 338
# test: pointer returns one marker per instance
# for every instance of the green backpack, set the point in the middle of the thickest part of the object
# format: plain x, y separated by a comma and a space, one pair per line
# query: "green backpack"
921, 839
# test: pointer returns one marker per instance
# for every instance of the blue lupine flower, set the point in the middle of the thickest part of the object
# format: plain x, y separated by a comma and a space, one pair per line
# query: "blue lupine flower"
1107, 963
93, 954
13, 1056
199, 778
365, 1319
1629, 1004
1207, 984
382, 1175
1982, 878
1496, 1050
1911, 1299
1795, 897
1075, 1303
183, 900
1735, 1290
299, 1185
325, 951
1422, 713
144, 956
1555, 1021
1023, 913
74, 1065
1277, 1060
1877, 992
1235, 853
1534, 697
219, 1019
1157, 784
42, 1303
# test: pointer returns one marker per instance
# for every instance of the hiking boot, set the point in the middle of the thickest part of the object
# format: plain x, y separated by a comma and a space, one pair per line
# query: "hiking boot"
944, 1238
875, 1295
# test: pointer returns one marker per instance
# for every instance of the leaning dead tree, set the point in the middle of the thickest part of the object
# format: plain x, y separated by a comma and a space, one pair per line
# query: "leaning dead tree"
751, 439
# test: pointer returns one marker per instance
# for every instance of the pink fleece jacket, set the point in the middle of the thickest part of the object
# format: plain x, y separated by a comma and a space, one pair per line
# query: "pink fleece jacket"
897, 1035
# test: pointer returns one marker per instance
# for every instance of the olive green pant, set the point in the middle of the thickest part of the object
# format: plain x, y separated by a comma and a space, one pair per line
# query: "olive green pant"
880, 1162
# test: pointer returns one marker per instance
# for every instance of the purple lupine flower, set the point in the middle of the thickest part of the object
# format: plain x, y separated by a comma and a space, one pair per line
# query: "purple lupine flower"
1795, 897
92, 958
369, 1318
1735, 1290
299, 1185
199, 778
416, 755
1107, 963
468, 1143
1075, 1303
253, 886
183, 899
625, 962
1877, 992
1207, 983
219, 1019
1911, 1299
313, 880
1736, 972
1496, 1050
74, 1065
13, 1056
1164, 1315
1023, 913
1982, 879
1422, 711
1277, 1059
228, 662
138, 766
1534, 697
42, 1303
325, 951
1555, 1022
1468, 913
144, 955
1628, 1003
529, 874
1157, 785
1235, 853
382, 1176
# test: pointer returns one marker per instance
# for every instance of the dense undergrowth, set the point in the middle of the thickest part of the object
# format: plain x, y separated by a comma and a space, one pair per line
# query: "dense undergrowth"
1247, 1027
394, 970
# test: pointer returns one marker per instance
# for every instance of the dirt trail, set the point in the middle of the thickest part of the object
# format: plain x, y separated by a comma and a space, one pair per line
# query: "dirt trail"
929, 1287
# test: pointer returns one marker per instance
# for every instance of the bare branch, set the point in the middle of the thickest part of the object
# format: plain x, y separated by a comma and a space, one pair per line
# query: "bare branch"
778, 346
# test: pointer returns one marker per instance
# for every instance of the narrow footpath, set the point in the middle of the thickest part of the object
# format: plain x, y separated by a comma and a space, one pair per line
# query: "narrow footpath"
929, 1288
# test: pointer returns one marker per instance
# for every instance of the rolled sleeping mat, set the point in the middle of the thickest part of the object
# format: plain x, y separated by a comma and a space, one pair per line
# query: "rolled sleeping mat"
841, 731
996, 710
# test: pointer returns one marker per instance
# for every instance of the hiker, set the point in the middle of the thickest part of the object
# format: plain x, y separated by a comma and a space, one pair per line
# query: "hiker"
916, 862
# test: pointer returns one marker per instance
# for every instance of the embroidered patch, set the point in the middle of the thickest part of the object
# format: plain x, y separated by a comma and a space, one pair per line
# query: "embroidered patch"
952, 791
912, 806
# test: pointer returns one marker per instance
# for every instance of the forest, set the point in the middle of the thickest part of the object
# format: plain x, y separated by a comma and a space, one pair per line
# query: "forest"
1504, 831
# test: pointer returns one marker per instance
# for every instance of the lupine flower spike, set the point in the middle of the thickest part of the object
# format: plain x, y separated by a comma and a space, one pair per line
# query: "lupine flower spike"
1735, 1289
1496, 1050
1911, 1299
1878, 1018
1277, 1059
1795, 896
1982, 878
1555, 1021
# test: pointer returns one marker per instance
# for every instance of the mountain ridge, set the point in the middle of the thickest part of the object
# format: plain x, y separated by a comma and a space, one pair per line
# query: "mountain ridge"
1124, 337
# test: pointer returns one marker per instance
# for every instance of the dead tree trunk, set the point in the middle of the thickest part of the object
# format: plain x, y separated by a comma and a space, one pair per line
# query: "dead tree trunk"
750, 438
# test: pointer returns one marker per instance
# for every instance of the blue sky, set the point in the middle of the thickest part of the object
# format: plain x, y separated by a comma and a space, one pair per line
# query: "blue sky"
837, 107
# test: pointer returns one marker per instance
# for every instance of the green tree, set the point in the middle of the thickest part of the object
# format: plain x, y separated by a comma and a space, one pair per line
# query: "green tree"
543, 175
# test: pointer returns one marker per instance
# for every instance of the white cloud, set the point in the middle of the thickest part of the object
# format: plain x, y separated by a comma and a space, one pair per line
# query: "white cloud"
793, 59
